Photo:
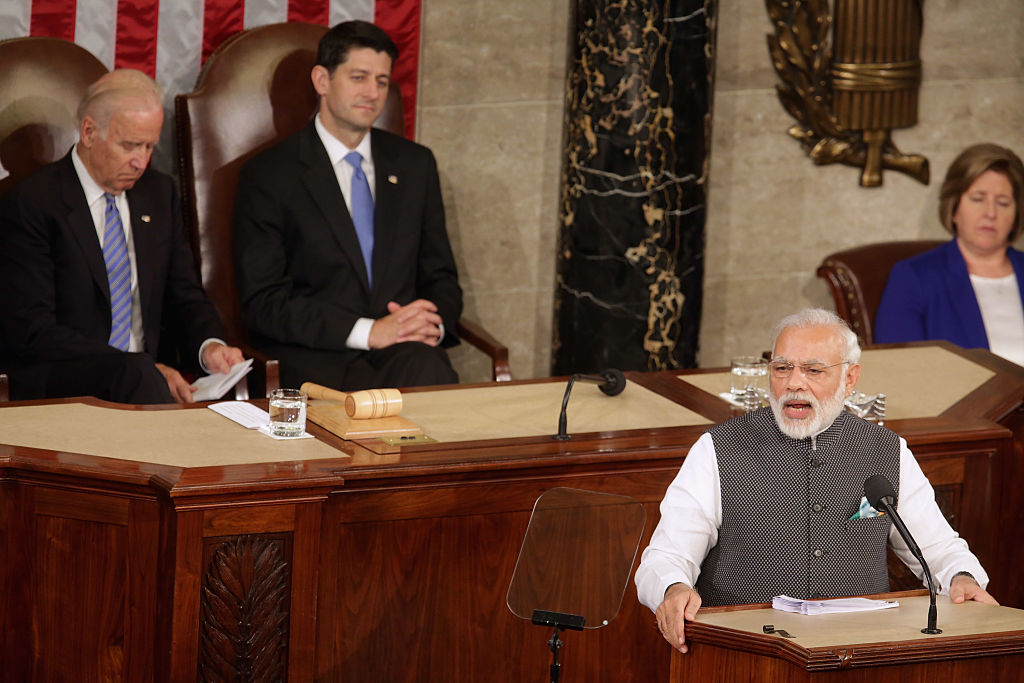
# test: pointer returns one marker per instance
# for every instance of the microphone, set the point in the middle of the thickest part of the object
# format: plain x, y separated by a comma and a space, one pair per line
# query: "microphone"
611, 382
879, 492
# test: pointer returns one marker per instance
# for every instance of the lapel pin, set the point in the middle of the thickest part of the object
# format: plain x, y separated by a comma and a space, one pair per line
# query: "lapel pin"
145, 218
393, 179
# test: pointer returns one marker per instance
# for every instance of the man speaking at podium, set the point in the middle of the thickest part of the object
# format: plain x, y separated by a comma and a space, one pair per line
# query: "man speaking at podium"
770, 503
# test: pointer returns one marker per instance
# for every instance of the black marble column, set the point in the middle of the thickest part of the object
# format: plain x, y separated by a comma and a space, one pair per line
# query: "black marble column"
637, 137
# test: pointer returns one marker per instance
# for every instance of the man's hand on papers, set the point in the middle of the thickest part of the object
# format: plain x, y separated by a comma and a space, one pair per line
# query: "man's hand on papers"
679, 606
418, 321
220, 358
181, 391
964, 587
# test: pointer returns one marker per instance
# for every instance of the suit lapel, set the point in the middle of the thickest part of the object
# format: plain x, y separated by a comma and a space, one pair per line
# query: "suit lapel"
320, 180
81, 224
387, 199
960, 293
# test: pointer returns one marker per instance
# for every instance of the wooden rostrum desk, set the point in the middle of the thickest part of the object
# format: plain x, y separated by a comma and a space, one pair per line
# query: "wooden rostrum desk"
172, 545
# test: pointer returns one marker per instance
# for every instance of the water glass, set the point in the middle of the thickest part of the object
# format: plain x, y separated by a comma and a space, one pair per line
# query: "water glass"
748, 372
287, 412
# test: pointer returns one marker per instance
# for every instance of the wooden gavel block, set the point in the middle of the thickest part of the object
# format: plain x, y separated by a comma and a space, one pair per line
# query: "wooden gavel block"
360, 405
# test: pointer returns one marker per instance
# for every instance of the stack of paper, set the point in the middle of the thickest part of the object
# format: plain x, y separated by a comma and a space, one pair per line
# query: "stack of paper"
788, 604
212, 387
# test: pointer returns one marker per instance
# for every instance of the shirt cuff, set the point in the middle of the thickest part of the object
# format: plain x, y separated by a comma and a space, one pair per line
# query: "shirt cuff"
202, 348
359, 336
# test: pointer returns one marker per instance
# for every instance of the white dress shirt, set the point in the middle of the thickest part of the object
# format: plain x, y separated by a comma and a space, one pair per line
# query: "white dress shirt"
691, 514
98, 209
359, 336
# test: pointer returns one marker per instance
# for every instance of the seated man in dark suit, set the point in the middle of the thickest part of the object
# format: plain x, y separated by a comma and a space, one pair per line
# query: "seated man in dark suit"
344, 268
94, 264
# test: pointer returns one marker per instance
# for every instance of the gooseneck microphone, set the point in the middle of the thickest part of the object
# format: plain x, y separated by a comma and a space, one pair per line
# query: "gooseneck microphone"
611, 382
879, 492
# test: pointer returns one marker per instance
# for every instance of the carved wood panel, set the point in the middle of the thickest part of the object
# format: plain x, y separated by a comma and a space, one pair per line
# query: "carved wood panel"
243, 629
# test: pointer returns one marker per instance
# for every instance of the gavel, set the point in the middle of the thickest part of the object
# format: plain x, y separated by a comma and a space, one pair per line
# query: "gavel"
360, 405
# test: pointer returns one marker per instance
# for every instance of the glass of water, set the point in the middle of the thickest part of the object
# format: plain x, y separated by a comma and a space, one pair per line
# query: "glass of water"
748, 373
287, 412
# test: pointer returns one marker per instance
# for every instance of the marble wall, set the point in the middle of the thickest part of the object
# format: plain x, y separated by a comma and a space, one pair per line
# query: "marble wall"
491, 106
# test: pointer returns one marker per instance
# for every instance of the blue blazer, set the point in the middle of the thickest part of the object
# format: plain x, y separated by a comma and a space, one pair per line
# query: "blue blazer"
930, 296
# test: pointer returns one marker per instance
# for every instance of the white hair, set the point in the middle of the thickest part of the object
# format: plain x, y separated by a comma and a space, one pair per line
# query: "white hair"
819, 317
119, 90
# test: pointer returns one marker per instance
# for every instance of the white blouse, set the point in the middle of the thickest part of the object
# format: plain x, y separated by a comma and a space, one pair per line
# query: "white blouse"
1003, 315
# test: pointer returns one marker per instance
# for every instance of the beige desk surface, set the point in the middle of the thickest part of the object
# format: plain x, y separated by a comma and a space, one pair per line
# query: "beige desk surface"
180, 438
202, 438
897, 624
502, 412
917, 382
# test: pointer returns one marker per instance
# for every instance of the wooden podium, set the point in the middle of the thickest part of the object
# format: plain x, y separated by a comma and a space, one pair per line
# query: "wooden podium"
978, 643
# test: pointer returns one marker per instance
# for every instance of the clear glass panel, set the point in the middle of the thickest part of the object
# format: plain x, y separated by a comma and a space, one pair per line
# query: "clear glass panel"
577, 555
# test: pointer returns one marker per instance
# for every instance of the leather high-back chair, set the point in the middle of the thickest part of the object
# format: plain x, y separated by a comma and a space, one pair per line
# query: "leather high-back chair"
42, 80
255, 90
857, 277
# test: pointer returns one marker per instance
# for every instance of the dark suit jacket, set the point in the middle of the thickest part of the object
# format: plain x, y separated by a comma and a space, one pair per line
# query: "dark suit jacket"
930, 296
56, 298
301, 276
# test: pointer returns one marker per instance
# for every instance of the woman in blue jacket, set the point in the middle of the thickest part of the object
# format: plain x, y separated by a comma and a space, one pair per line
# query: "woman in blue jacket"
969, 291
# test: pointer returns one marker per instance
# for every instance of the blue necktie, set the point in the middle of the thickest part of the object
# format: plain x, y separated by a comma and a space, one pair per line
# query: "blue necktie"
362, 211
119, 275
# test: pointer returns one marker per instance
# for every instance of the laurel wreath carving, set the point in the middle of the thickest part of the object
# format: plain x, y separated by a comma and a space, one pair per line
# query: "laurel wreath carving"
244, 618
801, 55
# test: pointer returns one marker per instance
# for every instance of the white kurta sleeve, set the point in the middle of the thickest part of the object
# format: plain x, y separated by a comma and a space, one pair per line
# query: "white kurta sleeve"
691, 514
943, 549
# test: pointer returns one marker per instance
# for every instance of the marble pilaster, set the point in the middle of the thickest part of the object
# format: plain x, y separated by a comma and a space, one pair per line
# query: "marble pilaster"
636, 140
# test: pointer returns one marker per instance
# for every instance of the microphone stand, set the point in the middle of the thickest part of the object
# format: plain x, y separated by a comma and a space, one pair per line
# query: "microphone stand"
612, 383
562, 434
890, 510
880, 493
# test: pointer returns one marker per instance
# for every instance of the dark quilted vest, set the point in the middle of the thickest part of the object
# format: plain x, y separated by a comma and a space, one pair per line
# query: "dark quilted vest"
786, 527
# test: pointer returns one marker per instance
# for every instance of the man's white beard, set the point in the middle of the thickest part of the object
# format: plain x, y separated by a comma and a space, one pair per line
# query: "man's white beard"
825, 413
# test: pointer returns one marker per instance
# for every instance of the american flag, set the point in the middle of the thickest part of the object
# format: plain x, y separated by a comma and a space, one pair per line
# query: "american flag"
171, 39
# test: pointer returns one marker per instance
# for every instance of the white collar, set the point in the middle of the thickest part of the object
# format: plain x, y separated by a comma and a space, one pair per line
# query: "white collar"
336, 149
92, 190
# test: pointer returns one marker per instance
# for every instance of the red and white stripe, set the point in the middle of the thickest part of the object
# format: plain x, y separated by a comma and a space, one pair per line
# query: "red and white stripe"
170, 40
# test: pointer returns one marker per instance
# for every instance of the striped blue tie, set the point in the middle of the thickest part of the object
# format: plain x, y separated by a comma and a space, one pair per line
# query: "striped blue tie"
362, 211
119, 275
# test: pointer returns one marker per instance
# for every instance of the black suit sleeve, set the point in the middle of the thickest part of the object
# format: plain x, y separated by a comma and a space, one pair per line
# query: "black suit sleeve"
436, 275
